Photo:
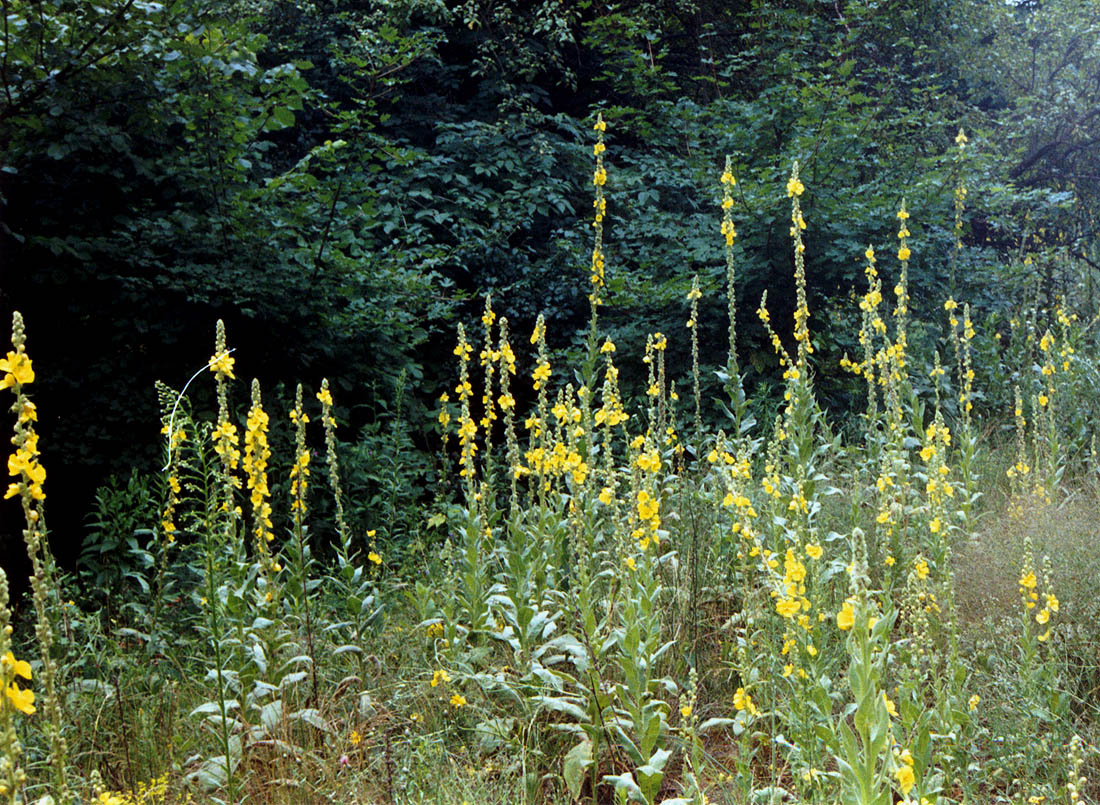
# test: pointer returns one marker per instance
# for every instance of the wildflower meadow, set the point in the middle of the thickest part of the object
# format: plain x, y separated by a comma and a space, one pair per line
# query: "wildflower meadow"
629, 583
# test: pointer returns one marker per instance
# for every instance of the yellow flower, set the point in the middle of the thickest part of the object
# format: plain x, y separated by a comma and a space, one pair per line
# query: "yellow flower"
325, 396
973, 703
374, 557
906, 778
813, 551
743, 701
223, 365
794, 187
17, 368
891, 708
355, 738
788, 607
921, 567
458, 700
22, 699
440, 677
903, 253
20, 667
846, 618
685, 711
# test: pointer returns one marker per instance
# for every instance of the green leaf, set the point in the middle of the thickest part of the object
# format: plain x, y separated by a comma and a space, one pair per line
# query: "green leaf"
576, 763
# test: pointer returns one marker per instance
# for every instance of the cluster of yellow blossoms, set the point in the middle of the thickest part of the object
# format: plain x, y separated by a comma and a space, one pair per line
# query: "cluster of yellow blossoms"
23, 463
22, 700
1029, 594
256, 455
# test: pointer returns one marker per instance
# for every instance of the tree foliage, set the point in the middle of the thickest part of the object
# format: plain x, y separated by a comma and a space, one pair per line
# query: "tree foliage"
337, 179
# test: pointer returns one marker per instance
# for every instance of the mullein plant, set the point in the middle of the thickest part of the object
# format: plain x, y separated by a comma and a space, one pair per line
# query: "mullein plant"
873, 763
507, 403
597, 268
254, 465
15, 702
488, 358
734, 388
960, 202
885, 370
29, 474
694, 295
360, 602
221, 600
961, 339
300, 561
175, 433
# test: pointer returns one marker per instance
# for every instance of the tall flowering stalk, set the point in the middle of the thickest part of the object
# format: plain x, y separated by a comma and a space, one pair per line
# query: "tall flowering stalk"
256, 455
216, 610
299, 473
871, 328
597, 277
693, 325
729, 232
30, 475
225, 437
796, 429
901, 290
489, 358
12, 699
324, 396
507, 404
467, 428
299, 564
960, 203
795, 188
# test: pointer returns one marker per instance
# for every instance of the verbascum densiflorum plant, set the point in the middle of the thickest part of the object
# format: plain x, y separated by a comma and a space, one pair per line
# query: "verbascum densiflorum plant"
300, 561
225, 437
597, 269
25, 467
734, 388
488, 358
960, 201
694, 295
506, 357
868, 750
901, 290
16, 701
175, 436
254, 463
1019, 473
871, 328
332, 461
467, 427
299, 471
